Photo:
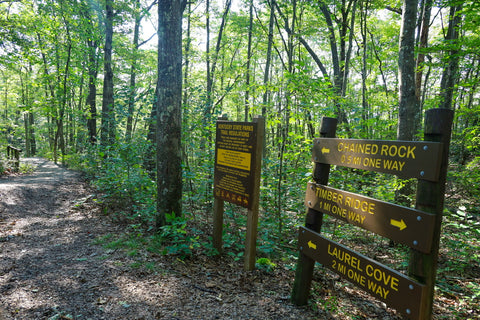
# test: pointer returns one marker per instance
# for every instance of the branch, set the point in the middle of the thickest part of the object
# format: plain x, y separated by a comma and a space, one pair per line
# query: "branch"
145, 41
395, 10
305, 44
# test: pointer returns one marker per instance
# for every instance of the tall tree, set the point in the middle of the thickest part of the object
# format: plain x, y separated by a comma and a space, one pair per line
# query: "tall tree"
249, 57
407, 110
168, 104
422, 39
450, 72
107, 134
91, 35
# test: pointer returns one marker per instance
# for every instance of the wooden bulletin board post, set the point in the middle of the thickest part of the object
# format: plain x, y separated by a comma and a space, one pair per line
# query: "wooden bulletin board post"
238, 163
252, 215
305, 264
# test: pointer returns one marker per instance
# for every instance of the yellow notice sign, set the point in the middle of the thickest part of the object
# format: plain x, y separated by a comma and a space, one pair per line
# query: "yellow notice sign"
235, 159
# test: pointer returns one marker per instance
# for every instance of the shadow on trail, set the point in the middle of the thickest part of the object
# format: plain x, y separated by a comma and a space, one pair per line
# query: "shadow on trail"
49, 264
52, 266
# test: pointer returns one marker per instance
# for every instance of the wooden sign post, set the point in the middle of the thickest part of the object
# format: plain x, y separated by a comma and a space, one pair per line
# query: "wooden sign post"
430, 198
305, 264
417, 228
238, 163
13, 154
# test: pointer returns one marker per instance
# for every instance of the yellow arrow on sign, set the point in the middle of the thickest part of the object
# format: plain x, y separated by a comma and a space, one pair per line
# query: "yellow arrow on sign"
312, 245
399, 224
325, 150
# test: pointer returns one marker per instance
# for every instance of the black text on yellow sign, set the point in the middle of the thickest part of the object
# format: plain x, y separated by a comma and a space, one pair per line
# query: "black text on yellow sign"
403, 158
235, 148
404, 225
235, 159
383, 283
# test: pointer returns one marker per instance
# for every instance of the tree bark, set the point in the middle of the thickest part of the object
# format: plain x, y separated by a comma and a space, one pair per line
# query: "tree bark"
422, 44
168, 106
450, 73
107, 135
91, 40
92, 91
407, 112
249, 56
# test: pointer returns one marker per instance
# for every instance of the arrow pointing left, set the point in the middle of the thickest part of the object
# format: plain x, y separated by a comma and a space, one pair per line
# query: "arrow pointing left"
312, 245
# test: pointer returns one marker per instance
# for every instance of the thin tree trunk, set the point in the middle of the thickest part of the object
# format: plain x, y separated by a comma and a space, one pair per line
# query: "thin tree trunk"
188, 46
422, 44
107, 135
450, 73
133, 75
92, 91
266, 75
407, 113
365, 108
33, 142
249, 57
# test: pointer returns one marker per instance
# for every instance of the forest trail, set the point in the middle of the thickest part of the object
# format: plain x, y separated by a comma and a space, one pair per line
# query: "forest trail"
53, 265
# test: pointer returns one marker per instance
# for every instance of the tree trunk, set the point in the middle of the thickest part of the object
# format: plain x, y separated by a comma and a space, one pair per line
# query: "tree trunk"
422, 44
92, 91
408, 111
450, 73
33, 143
169, 105
188, 47
365, 107
107, 135
133, 78
249, 56
26, 121
266, 75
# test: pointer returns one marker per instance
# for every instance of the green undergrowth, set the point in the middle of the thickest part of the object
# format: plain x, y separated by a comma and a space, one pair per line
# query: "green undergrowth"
127, 194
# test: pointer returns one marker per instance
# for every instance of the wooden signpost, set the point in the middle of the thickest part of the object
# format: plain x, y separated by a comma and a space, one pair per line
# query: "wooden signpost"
417, 228
238, 162
13, 154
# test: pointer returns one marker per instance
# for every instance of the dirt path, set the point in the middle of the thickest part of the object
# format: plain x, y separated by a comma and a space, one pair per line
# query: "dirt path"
51, 267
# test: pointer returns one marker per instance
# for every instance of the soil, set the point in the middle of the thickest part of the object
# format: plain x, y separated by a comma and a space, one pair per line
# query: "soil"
53, 265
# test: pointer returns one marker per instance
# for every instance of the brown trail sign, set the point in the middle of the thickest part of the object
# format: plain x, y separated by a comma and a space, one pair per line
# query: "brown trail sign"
418, 228
238, 163
386, 284
235, 149
407, 159
411, 227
